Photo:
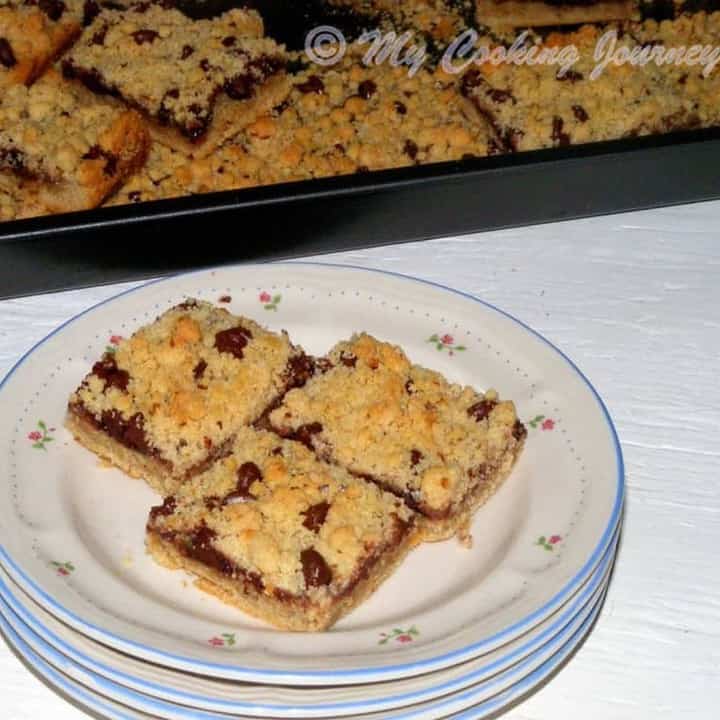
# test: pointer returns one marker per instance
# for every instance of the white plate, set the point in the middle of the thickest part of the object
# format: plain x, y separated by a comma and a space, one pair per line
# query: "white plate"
567, 639
272, 700
71, 533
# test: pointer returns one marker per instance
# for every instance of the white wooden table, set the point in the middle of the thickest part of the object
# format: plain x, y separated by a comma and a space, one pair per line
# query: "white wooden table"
634, 299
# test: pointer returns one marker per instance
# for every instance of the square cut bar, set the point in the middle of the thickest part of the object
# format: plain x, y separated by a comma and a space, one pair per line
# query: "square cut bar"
536, 13
62, 148
700, 89
198, 81
170, 400
443, 448
538, 106
32, 34
281, 535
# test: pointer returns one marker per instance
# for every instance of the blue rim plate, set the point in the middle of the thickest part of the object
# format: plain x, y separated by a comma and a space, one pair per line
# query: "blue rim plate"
520, 584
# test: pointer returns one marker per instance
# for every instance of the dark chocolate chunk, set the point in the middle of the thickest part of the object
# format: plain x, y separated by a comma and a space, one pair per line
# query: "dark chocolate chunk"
411, 149
107, 370
229, 41
348, 360
519, 431
54, 9
98, 37
570, 76
145, 36
315, 569
315, 516
7, 56
366, 89
480, 410
187, 51
91, 9
199, 370
233, 340
415, 457
580, 113
299, 370
499, 96
305, 432
400, 108
167, 508
130, 432
558, 136
312, 85
247, 474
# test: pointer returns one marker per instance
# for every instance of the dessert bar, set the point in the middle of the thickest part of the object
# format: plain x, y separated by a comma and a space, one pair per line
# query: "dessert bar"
543, 13
541, 106
697, 84
198, 81
32, 34
63, 149
443, 448
171, 398
281, 535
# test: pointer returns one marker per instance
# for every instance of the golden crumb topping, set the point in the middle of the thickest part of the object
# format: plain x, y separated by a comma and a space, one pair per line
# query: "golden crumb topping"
182, 386
173, 67
55, 130
376, 414
293, 524
538, 106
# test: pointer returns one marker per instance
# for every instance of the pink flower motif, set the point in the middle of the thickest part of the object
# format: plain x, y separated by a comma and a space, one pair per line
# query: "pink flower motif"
447, 340
404, 638
548, 424
63, 571
265, 297
115, 339
34, 436
555, 539
216, 642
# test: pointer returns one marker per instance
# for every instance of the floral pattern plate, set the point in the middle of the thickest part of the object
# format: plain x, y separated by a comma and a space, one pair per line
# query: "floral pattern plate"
480, 697
272, 701
71, 531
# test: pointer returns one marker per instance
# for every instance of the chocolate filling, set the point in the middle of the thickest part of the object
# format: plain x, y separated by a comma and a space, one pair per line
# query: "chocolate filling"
233, 341
7, 56
197, 544
480, 410
108, 371
315, 516
239, 87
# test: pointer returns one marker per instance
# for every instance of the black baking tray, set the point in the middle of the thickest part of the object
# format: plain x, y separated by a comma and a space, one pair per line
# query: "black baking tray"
362, 210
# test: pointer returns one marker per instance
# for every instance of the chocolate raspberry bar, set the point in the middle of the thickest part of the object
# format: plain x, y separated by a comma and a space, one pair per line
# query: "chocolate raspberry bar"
436, 21
444, 449
543, 13
699, 88
198, 81
170, 400
354, 117
32, 34
281, 535
539, 106
63, 149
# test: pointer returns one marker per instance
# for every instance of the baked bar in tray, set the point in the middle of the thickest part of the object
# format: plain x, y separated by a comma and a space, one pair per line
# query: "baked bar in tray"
63, 149
32, 34
543, 13
697, 85
540, 106
170, 400
441, 447
198, 81
277, 533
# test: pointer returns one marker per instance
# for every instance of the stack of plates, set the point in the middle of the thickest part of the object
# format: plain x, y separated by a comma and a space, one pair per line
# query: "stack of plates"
454, 632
